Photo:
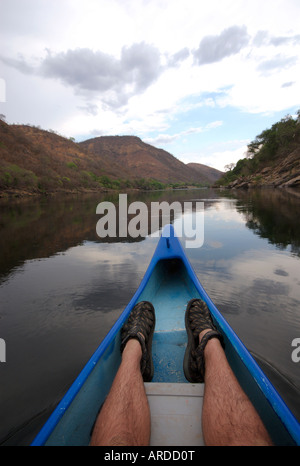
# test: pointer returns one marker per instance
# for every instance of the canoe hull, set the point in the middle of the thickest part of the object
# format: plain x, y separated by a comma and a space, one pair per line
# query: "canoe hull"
169, 283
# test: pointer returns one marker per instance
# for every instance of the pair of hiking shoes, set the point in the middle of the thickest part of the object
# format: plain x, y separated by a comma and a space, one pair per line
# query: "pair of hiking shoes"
141, 324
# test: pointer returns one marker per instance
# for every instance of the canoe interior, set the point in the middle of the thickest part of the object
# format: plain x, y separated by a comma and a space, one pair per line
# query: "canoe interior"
169, 289
169, 286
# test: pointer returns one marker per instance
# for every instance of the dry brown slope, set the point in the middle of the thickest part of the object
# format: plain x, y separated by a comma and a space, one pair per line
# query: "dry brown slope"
143, 160
41, 160
207, 173
37, 160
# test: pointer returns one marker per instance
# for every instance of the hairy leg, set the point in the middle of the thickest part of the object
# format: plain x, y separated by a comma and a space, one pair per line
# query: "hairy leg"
125, 416
229, 417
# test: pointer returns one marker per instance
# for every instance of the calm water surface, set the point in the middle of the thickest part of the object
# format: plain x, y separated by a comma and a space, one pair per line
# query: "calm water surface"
62, 288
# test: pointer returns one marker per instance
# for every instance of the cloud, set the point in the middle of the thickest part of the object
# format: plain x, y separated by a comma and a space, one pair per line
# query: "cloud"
285, 40
111, 81
288, 84
89, 109
218, 157
98, 72
263, 38
216, 48
178, 57
82, 68
168, 138
91, 72
277, 63
19, 64
111, 65
162, 139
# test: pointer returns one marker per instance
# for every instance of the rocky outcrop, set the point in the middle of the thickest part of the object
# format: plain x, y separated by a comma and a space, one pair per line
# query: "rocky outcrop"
284, 174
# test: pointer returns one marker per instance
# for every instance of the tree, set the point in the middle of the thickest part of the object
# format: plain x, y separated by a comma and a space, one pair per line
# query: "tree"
280, 136
229, 166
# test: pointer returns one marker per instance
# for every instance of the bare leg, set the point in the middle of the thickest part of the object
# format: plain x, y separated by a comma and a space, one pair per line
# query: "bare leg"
229, 417
125, 416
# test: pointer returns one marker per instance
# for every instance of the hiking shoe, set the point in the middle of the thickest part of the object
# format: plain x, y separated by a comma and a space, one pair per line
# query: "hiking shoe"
140, 325
197, 319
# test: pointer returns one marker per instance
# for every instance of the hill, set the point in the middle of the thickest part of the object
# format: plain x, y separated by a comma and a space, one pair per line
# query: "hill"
273, 159
34, 160
205, 172
41, 161
130, 152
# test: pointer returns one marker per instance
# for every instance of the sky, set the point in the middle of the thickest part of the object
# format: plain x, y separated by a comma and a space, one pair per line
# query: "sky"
200, 79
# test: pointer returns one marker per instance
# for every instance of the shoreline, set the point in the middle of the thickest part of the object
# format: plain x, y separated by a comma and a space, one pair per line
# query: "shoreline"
21, 194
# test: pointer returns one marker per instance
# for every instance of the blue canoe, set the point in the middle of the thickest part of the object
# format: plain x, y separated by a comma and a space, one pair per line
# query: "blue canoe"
175, 404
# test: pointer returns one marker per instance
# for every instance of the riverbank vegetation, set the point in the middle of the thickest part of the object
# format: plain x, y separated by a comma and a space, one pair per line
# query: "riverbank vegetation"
18, 181
36, 161
271, 147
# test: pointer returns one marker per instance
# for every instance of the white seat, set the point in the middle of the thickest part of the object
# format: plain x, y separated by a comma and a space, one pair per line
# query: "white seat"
176, 413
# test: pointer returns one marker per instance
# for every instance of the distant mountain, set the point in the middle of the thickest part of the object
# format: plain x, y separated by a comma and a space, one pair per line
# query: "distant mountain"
146, 161
206, 173
34, 160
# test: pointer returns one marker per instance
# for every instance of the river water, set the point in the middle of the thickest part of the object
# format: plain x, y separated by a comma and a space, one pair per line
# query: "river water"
62, 287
